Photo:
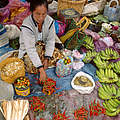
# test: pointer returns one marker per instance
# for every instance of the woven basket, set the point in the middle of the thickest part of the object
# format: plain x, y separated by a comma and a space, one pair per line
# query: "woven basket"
10, 74
25, 92
65, 4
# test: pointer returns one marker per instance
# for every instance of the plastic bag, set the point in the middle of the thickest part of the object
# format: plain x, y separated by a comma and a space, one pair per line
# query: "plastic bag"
12, 31
94, 35
80, 89
100, 45
14, 12
113, 13
60, 28
94, 8
63, 69
108, 41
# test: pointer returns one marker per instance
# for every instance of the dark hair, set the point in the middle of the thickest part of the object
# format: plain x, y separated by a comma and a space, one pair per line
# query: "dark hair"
3, 3
35, 3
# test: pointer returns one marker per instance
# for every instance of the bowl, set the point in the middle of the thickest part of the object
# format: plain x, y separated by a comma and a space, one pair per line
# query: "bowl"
81, 89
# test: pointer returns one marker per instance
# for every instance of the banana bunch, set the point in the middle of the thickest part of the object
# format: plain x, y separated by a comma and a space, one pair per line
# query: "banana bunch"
107, 76
118, 83
112, 107
109, 54
106, 92
89, 56
101, 64
116, 67
88, 43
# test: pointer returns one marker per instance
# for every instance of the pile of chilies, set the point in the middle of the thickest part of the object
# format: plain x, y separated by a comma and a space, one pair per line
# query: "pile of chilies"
36, 104
95, 110
49, 86
60, 116
81, 114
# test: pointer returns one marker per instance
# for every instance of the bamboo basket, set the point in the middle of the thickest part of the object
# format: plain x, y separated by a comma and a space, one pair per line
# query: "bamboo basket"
10, 73
65, 4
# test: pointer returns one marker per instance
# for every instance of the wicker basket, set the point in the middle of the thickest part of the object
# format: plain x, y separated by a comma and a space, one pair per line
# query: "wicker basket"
65, 4
11, 69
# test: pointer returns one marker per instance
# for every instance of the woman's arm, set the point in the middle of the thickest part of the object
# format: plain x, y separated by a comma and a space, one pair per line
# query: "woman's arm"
29, 41
50, 43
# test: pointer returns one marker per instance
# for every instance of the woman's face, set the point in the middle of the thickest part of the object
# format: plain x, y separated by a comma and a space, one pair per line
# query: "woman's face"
40, 13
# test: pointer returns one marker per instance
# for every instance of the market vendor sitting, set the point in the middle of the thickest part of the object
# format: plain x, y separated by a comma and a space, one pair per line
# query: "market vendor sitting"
37, 26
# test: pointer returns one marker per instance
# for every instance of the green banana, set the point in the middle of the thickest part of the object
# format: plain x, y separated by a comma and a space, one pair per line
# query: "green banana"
118, 93
106, 107
105, 88
109, 89
117, 101
106, 92
109, 54
101, 64
114, 90
111, 108
88, 43
113, 113
116, 67
103, 94
118, 83
113, 103
89, 56
104, 97
107, 76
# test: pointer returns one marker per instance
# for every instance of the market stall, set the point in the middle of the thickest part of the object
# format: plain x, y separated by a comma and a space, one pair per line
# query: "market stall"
83, 75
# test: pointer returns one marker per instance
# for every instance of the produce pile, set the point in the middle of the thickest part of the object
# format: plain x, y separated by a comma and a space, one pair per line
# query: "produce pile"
37, 104
49, 86
81, 114
60, 116
83, 81
22, 83
67, 60
108, 74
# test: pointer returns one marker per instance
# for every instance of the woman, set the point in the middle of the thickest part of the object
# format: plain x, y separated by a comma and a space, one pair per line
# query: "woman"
37, 26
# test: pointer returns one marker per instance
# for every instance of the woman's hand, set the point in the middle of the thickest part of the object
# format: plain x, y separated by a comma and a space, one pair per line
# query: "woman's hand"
45, 63
43, 75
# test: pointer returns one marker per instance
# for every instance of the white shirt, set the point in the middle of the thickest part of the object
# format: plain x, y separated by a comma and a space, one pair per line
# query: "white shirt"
40, 36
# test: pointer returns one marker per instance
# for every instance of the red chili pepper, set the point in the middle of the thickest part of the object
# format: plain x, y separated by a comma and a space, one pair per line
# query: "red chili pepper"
35, 73
42, 119
95, 101
60, 95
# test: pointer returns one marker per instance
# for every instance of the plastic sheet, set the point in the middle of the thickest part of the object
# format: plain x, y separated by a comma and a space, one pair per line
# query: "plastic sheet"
14, 12
36, 88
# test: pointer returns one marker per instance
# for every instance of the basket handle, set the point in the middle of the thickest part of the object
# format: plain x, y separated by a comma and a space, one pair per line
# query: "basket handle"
114, 1
85, 25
